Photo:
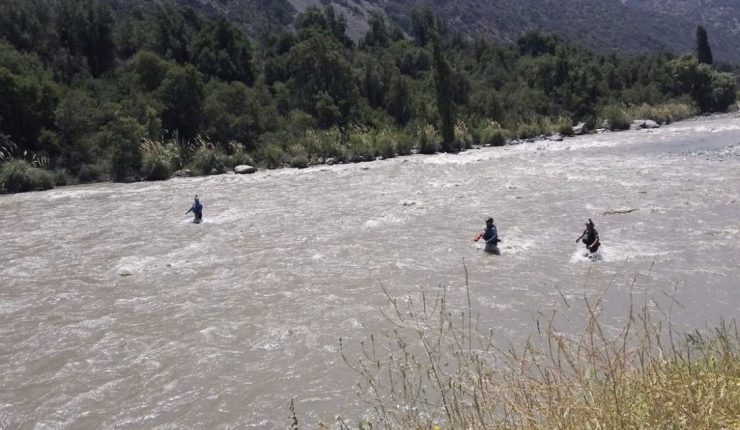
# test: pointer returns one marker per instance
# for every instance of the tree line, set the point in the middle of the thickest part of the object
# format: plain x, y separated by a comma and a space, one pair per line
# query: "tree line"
88, 94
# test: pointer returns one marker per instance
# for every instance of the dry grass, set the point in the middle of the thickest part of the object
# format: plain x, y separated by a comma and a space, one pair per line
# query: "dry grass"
664, 113
434, 368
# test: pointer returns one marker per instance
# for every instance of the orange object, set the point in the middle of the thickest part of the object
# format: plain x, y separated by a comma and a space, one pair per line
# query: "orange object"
478, 236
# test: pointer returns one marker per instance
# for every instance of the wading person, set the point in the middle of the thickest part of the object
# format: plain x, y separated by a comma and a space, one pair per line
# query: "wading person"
490, 236
197, 210
590, 237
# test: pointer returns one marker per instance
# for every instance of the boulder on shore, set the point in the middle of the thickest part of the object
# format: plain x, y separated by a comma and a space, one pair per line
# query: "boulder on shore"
556, 138
579, 128
244, 169
184, 173
639, 124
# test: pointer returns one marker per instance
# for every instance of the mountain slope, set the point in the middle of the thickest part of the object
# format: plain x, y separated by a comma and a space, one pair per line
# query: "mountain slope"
610, 26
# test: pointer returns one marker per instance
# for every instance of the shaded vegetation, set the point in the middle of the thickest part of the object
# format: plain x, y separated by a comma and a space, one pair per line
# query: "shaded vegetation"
83, 87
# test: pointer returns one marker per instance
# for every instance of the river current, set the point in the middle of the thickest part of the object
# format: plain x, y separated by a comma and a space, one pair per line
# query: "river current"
116, 312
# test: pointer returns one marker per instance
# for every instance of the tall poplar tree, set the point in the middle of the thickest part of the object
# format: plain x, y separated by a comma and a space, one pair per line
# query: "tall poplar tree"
703, 50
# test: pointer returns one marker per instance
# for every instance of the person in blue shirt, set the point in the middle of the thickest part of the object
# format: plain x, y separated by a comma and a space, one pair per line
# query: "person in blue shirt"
197, 210
490, 235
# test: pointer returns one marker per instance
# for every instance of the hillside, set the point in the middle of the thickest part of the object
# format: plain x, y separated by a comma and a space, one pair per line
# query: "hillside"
610, 26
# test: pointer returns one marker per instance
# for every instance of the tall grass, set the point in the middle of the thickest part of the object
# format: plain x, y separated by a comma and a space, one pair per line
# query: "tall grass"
208, 157
18, 176
428, 139
159, 159
435, 368
664, 113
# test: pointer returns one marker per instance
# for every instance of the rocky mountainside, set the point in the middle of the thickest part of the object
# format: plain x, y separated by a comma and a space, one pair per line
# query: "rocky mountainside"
619, 26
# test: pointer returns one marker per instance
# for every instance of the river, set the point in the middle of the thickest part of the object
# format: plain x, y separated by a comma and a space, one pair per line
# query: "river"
117, 312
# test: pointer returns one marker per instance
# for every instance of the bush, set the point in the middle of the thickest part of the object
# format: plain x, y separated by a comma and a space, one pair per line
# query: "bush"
564, 127
665, 113
238, 156
159, 160
362, 146
615, 118
91, 173
497, 137
404, 144
274, 156
528, 131
463, 137
18, 176
428, 139
385, 144
207, 160
298, 156
324, 144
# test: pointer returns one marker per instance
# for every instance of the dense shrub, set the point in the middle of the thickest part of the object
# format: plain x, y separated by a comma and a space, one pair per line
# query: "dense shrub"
91, 173
385, 144
615, 118
273, 156
528, 131
428, 139
19, 176
207, 159
404, 143
298, 156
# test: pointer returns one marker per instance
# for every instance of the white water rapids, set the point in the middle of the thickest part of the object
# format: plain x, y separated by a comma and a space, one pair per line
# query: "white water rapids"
117, 312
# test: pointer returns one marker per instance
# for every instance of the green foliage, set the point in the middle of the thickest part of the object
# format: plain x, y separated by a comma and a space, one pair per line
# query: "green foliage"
220, 50
122, 137
321, 79
274, 156
28, 97
298, 156
443, 85
615, 118
428, 139
18, 176
72, 96
91, 173
208, 157
183, 97
159, 159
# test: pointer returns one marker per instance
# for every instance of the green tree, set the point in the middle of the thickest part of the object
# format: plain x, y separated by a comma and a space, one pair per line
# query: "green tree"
443, 85
85, 28
398, 103
222, 51
28, 97
317, 67
703, 50
182, 94
121, 138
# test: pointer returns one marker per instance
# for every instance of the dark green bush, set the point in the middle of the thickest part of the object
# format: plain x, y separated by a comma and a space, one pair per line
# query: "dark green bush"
615, 118
497, 137
18, 176
91, 173
207, 159
156, 169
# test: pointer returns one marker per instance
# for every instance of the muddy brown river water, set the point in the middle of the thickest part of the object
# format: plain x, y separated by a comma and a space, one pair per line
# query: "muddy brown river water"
117, 313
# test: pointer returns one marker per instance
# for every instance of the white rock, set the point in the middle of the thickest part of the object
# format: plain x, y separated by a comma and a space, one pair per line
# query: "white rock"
244, 169
579, 128
556, 138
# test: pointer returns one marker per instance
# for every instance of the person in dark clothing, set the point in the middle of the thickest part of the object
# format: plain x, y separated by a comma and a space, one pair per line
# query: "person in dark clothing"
197, 210
490, 235
590, 237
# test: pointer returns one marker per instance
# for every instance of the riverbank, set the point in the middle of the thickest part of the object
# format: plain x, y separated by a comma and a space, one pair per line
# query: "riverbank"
162, 160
